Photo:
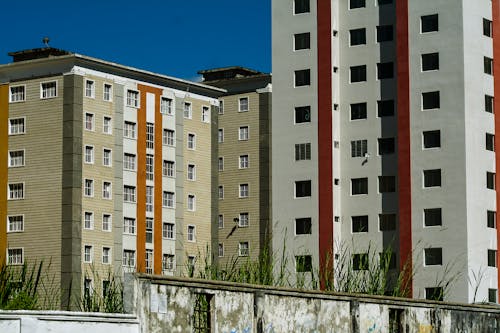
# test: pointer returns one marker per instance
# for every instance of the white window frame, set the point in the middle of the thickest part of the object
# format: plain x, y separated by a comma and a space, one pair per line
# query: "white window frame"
191, 172
11, 95
168, 168
9, 262
133, 98
150, 198
110, 158
110, 125
92, 124
221, 192
108, 260
109, 194
23, 189
167, 140
241, 131
242, 162
220, 221
150, 135
240, 109
131, 196
110, 222
244, 220
191, 202
41, 89
92, 154
191, 233
89, 93
130, 258
110, 96
205, 117
21, 222
243, 252
133, 130
168, 233
220, 135
91, 221
11, 126
242, 193
11, 159
220, 163
91, 195
166, 105
221, 107
187, 107
168, 262
220, 250
149, 258
131, 161
90, 254
129, 226
166, 200
191, 145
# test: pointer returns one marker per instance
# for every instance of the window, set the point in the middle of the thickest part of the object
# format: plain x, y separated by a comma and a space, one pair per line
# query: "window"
492, 258
17, 94
168, 199
106, 254
48, 89
491, 219
16, 126
205, 114
434, 293
359, 186
150, 135
302, 41
302, 188
107, 127
129, 225
357, 36
303, 264
360, 261
301, 6
87, 254
106, 190
386, 184
302, 77
302, 151
128, 258
433, 256
16, 191
221, 164
89, 154
88, 190
430, 62
487, 28
386, 146
89, 88
16, 158
107, 92
106, 157
191, 141
488, 103
385, 33
191, 172
88, 220
244, 191
220, 221
385, 70
384, 2
359, 223
357, 4
150, 166
359, 148
106, 222
220, 135
191, 233
188, 111
149, 198
243, 161
129, 130
149, 230
490, 180
243, 104
149, 261
358, 73
191, 203
133, 98
303, 226
432, 178
168, 262
129, 162
429, 23
243, 249
221, 107
220, 251
89, 121
430, 100
168, 230
492, 295
387, 221
243, 133
166, 105
128, 193
169, 168
433, 217
15, 223
432, 139
385, 108
244, 220
168, 137
358, 111
15, 256
302, 114
488, 65
490, 142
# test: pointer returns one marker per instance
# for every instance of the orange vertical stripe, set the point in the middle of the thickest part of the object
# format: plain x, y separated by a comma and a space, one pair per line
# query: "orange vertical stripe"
4, 141
141, 184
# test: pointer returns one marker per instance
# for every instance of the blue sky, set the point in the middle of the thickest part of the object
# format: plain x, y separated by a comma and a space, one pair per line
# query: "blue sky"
175, 38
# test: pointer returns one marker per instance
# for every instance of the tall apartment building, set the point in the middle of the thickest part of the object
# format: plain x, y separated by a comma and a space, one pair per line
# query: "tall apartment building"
244, 147
103, 166
384, 135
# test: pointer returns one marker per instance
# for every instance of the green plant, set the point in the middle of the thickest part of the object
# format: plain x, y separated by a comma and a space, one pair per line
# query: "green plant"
101, 293
19, 286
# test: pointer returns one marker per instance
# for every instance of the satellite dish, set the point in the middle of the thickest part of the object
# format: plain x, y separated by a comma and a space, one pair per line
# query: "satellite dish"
46, 41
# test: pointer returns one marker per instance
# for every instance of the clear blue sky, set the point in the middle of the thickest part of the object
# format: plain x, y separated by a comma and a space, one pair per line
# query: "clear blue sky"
175, 38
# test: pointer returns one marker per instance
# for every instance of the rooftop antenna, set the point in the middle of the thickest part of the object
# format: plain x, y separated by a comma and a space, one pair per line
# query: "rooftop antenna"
46, 41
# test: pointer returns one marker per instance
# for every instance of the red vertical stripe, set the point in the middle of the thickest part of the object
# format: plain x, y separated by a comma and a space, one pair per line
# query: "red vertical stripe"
325, 184
403, 114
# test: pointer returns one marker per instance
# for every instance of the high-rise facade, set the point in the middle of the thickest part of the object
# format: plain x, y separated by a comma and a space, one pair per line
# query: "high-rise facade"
384, 135
104, 166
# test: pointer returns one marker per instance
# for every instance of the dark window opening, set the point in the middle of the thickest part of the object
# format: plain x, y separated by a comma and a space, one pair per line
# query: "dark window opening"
302, 114
302, 77
432, 139
303, 264
429, 23
302, 188
432, 178
385, 108
431, 100
358, 111
386, 184
386, 146
359, 186
385, 70
385, 33
358, 36
303, 226
301, 6
430, 61
358, 73
387, 221
360, 223
432, 217
360, 261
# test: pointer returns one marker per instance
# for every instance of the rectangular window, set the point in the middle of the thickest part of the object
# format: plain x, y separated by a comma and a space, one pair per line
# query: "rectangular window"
128, 258
191, 203
359, 148
243, 162
433, 217
168, 199
129, 130
188, 111
166, 105
15, 256
490, 142
303, 264
492, 258
89, 88
169, 168
220, 221
220, 251
168, 262
432, 178
17, 94
431, 139
387, 221
149, 261
385, 70
360, 261
433, 256
129, 162
220, 135
107, 127
88, 220
89, 154
430, 61
488, 65
244, 191
359, 186
490, 180
168, 137
386, 184
359, 223
221, 107
302, 151
87, 254
191, 141
89, 121
129, 225
15, 223
431, 100
492, 295
149, 230
191, 233
487, 28
303, 226
221, 164
168, 230
244, 220
243, 249
243, 104
150, 135
133, 98
301, 6
88, 190
150, 164
48, 89
16, 158
357, 36
488, 103
385, 33
106, 222
302, 77
302, 41
385, 108
106, 190
386, 146
434, 293
16, 126
106, 157
358, 73
106, 255
205, 114
149, 198
243, 133
491, 219
429, 23
107, 92
128, 193
302, 114
358, 111
191, 172
357, 4
302, 188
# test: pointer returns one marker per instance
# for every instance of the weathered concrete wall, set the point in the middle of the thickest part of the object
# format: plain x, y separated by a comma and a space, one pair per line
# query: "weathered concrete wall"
168, 305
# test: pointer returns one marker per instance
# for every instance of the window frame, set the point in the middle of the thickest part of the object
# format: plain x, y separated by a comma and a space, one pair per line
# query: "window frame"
10, 159
9, 262
11, 125
241, 106
109, 126
42, 87
9, 191
109, 94
12, 94
133, 98
89, 93
9, 223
